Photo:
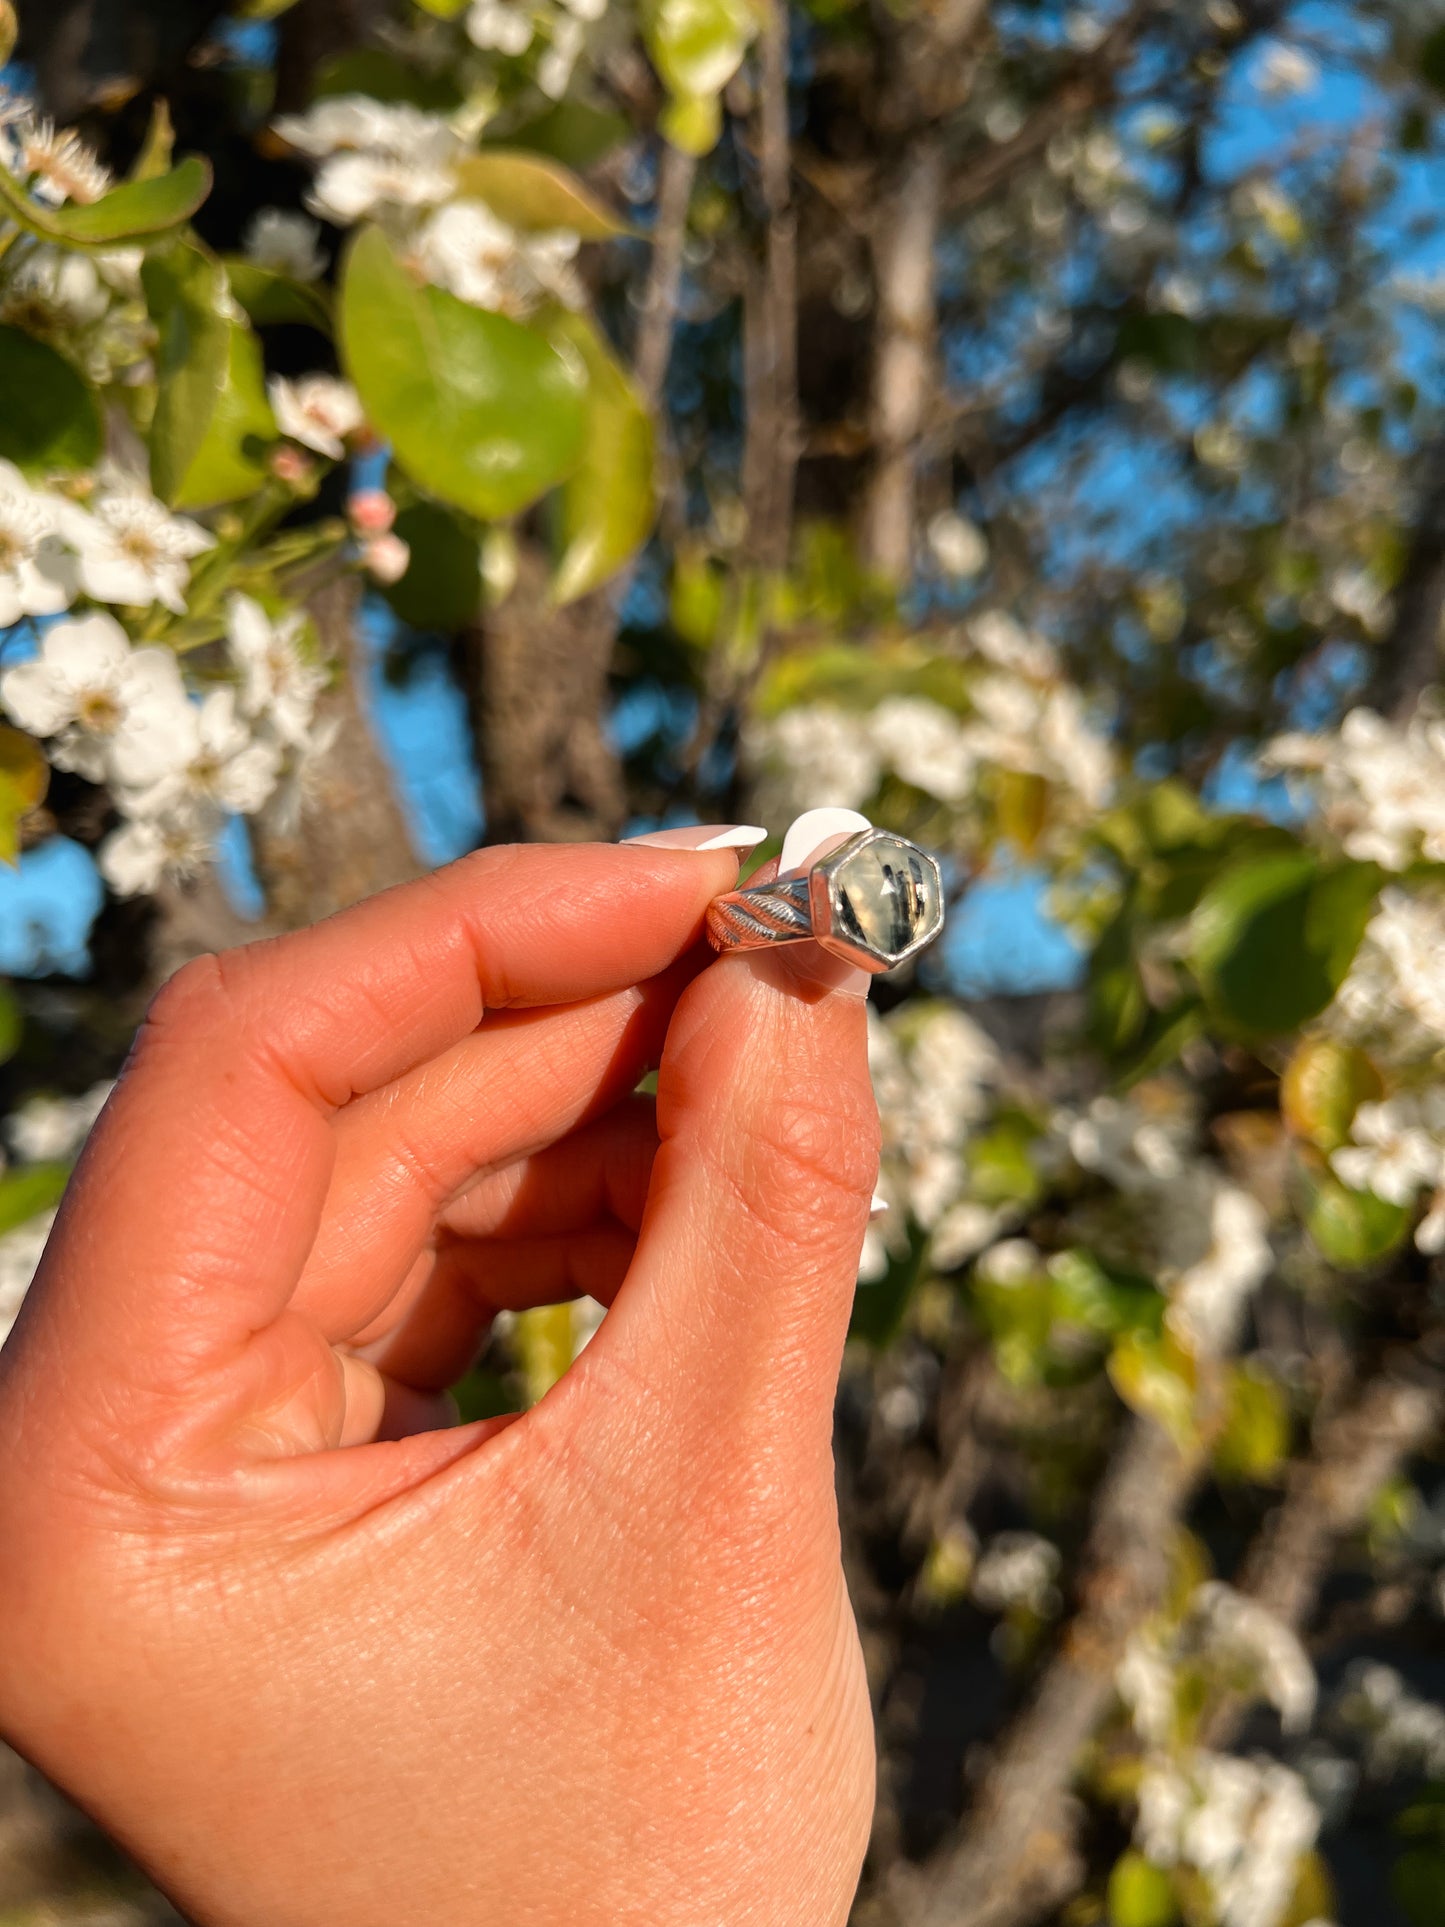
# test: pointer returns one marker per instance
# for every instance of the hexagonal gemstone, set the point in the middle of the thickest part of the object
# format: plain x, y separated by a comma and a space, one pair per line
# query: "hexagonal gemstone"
886, 897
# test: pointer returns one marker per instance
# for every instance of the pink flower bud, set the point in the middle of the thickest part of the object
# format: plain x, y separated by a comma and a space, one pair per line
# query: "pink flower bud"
289, 465
372, 511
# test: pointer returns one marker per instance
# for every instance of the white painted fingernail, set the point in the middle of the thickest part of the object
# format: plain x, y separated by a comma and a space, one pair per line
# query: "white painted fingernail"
812, 829
704, 836
879, 1208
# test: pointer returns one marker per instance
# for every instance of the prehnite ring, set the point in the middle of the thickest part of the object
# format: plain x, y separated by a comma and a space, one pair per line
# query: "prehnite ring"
875, 902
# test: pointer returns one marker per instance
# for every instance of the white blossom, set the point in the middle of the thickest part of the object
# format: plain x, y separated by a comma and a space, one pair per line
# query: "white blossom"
554, 69
501, 26
1040, 732
1402, 1733
1244, 1825
925, 745
1242, 1631
144, 852
1381, 788
933, 1076
224, 765
55, 162
350, 187
1395, 985
51, 292
466, 249
278, 679
1015, 1569
37, 573
375, 155
46, 1130
116, 713
133, 552
1398, 1147
1210, 1288
1002, 640
284, 242
1285, 70
1145, 1683
20, 1254
355, 123
957, 545
811, 756
317, 410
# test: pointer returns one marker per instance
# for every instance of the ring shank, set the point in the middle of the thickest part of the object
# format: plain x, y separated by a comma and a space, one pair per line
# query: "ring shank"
754, 919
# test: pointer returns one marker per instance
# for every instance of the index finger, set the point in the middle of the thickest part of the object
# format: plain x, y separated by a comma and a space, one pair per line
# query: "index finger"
198, 1197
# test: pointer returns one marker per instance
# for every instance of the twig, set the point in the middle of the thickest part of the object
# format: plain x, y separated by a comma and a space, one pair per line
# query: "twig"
1015, 1858
1356, 1451
655, 329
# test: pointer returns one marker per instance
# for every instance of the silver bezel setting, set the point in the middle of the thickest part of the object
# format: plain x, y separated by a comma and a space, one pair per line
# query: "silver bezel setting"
825, 904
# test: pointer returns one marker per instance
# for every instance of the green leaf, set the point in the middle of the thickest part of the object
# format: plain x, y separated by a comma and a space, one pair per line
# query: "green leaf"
1351, 1229
49, 413
608, 503
535, 194
11, 1024
381, 76
158, 147
1140, 1894
1272, 939
482, 412
696, 46
24, 779
129, 216
274, 300
1324, 1085
25, 1193
444, 9
231, 461
573, 132
442, 588
1118, 1006
1000, 1167
212, 420
1255, 1439
1156, 1377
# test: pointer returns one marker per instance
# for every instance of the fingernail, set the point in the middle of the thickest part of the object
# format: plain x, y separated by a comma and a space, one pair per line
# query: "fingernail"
704, 836
809, 832
810, 837
879, 1208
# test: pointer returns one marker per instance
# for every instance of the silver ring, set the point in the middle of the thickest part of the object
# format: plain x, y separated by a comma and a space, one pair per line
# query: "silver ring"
875, 902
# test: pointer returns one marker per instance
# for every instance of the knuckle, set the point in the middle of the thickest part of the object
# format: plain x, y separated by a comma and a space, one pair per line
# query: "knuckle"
189, 1005
820, 1137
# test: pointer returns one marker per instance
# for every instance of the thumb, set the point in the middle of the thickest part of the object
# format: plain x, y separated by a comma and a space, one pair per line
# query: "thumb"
728, 1332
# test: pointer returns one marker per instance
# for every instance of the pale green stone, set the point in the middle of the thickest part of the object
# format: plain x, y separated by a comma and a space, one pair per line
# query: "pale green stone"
886, 897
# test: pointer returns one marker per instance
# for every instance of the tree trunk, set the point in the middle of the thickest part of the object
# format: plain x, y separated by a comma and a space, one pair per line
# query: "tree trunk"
904, 243
337, 833
536, 680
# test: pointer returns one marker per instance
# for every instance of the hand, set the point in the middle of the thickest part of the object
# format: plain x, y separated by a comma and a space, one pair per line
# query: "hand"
313, 1659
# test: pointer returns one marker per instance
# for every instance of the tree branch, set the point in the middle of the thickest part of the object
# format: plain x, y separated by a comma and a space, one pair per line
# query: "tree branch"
1394, 1413
658, 317
1015, 1857
1410, 658
770, 318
